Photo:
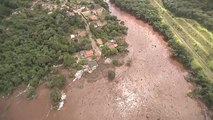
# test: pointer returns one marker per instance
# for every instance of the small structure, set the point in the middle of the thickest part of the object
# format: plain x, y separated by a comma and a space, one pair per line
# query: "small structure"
108, 61
78, 75
86, 13
112, 45
72, 36
82, 33
92, 65
98, 11
99, 42
112, 41
93, 17
49, 13
88, 53
99, 24
70, 13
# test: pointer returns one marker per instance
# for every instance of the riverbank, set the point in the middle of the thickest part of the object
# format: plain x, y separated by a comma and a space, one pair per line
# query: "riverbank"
152, 88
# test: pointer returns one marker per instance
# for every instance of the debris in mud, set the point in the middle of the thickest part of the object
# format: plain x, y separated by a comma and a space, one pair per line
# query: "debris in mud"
108, 61
78, 75
90, 67
63, 97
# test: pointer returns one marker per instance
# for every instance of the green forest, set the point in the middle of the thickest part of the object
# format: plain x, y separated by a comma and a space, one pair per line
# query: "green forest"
7, 6
32, 42
199, 10
145, 11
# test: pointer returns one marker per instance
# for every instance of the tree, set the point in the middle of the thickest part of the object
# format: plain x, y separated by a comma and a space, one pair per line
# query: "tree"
111, 75
55, 97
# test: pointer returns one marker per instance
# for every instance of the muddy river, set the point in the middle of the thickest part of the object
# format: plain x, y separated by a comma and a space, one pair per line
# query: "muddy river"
153, 88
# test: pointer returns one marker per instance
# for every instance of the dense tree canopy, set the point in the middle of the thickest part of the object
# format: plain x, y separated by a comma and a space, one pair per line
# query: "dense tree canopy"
200, 10
32, 42
7, 6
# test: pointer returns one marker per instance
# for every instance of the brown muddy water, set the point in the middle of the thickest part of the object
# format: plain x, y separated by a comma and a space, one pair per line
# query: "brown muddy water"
153, 88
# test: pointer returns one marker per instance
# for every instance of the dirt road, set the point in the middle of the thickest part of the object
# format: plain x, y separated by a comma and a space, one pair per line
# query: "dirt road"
153, 88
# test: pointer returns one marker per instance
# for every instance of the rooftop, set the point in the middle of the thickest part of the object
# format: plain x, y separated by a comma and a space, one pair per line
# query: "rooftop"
88, 53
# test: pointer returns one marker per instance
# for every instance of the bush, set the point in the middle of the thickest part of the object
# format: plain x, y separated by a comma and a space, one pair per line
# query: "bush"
31, 93
72, 73
116, 62
55, 97
111, 75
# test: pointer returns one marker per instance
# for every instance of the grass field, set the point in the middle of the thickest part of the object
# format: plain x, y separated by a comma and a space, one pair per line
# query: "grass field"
197, 39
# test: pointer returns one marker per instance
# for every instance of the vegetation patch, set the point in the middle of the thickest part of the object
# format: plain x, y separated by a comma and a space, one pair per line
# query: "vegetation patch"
55, 97
111, 75
201, 11
117, 63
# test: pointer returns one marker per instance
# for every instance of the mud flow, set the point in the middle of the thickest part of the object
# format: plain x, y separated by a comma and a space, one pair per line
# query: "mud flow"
152, 88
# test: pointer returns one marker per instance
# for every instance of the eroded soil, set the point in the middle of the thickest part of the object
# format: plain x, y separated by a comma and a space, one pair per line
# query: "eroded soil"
152, 88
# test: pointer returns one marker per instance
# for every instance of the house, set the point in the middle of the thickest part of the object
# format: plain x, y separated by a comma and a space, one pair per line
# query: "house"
93, 17
82, 33
72, 36
112, 45
99, 24
88, 53
70, 13
91, 66
98, 11
99, 42
86, 13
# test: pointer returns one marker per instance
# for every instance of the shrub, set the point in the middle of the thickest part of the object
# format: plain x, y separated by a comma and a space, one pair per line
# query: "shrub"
116, 62
111, 75
31, 93
55, 97
72, 73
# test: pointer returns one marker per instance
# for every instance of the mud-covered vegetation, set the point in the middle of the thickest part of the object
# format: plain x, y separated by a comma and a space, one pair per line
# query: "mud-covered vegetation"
200, 10
145, 11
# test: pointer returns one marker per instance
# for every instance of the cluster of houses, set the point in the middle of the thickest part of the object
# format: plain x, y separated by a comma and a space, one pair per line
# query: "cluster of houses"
93, 16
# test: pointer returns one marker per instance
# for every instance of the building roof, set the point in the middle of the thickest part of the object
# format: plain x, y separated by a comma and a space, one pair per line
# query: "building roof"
92, 64
86, 13
112, 45
93, 17
88, 53
99, 41
72, 36
82, 33
98, 11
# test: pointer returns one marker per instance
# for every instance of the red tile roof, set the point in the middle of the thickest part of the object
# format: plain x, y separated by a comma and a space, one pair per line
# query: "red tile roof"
111, 46
88, 53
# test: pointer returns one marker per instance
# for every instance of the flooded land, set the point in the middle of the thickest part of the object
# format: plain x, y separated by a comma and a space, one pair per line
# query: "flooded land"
152, 88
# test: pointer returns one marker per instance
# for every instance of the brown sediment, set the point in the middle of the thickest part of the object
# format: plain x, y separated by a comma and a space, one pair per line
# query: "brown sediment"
152, 88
